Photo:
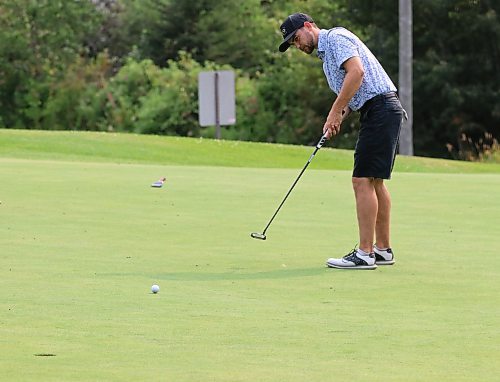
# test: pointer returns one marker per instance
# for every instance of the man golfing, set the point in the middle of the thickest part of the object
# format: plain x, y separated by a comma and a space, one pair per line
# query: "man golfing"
361, 84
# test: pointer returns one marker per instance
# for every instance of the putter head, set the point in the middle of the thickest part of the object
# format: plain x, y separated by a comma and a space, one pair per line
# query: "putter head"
257, 235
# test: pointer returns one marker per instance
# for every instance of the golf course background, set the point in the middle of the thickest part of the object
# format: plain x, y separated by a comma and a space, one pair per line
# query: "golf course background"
83, 237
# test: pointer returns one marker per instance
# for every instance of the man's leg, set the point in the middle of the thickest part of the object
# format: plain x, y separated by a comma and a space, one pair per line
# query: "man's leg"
382, 227
383, 250
367, 210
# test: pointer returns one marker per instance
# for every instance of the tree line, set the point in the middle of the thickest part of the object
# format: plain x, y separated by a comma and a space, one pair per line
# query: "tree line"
132, 66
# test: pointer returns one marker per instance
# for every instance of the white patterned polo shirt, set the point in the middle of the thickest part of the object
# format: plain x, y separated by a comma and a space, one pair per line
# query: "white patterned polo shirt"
337, 45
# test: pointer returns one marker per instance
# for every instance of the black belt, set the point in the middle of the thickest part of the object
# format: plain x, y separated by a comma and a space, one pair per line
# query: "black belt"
375, 99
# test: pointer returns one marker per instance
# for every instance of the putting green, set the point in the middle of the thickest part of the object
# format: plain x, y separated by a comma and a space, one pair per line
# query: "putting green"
82, 243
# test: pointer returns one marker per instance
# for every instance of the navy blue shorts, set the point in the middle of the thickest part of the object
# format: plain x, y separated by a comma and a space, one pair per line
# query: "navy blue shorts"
381, 120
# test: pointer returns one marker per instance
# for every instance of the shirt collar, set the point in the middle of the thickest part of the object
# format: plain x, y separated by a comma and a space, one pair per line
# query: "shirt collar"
322, 42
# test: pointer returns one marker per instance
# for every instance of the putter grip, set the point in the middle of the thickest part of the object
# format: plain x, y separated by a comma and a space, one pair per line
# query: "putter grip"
321, 142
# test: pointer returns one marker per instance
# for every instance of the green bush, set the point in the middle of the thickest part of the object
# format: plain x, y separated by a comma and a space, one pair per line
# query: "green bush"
171, 105
75, 102
164, 101
297, 99
124, 93
251, 114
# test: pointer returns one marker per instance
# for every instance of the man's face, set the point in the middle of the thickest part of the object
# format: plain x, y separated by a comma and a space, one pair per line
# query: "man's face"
303, 40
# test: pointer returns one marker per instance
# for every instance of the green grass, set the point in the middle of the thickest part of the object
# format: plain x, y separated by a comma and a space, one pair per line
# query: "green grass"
83, 237
143, 149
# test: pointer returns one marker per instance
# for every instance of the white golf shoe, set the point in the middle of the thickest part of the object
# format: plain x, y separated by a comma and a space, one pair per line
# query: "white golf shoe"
353, 260
383, 256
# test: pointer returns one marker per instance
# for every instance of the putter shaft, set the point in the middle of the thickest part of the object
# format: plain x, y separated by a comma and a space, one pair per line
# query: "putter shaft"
318, 146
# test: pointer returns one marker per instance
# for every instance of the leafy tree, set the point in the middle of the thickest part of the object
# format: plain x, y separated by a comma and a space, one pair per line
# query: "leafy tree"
76, 101
130, 28
132, 65
37, 40
456, 75
237, 33
175, 29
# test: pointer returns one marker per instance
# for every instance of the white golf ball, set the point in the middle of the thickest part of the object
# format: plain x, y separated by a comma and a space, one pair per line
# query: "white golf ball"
155, 288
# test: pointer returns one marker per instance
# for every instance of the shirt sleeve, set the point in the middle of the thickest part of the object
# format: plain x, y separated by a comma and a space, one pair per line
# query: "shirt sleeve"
343, 48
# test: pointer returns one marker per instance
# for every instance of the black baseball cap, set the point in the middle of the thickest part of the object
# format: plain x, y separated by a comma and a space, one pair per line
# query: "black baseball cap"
291, 25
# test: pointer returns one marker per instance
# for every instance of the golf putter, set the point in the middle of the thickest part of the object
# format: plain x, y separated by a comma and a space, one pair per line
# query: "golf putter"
262, 236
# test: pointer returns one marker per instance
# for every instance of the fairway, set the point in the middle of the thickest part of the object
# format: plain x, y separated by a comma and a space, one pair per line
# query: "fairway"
83, 239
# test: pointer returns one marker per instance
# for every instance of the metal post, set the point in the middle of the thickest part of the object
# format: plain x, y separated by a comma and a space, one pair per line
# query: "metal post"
406, 74
217, 111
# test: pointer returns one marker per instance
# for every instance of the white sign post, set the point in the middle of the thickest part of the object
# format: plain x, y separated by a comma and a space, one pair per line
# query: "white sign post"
216, 98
